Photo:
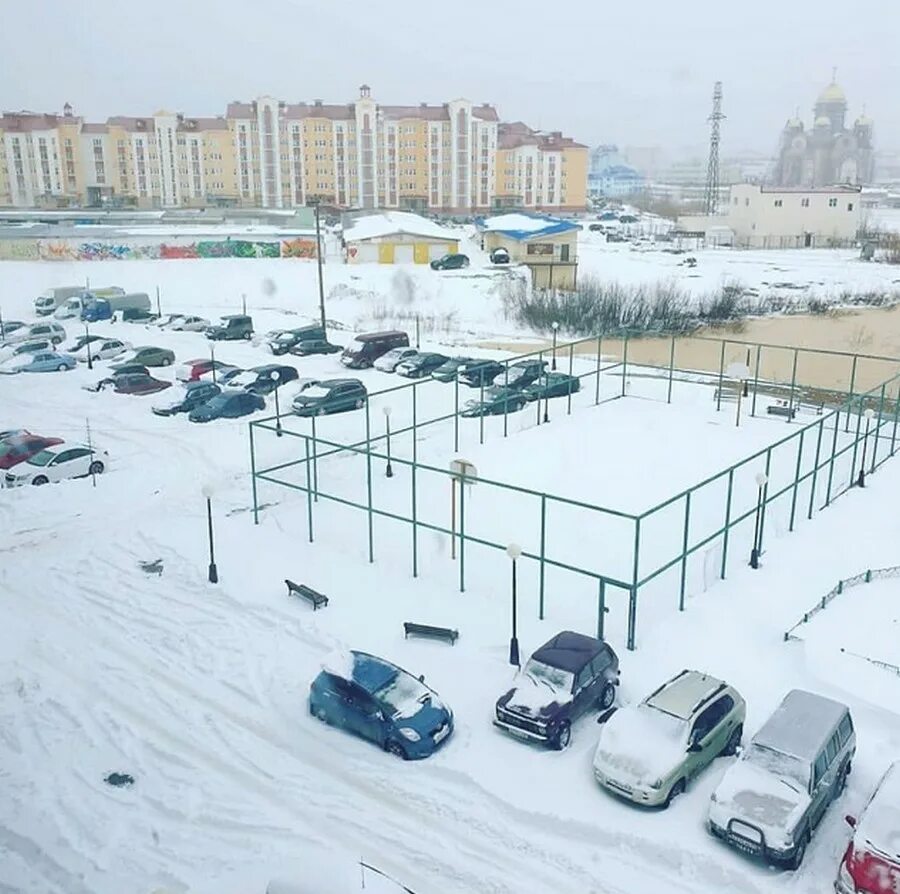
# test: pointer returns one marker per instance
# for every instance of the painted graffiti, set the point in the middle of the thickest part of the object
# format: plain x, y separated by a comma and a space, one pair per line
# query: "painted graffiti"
298, 248
19, 250
73, 250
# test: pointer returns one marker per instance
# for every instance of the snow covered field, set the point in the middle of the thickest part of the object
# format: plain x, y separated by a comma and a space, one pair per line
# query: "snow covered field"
198, 690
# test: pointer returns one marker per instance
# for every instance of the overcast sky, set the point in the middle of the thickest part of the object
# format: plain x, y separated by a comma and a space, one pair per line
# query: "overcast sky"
632, 73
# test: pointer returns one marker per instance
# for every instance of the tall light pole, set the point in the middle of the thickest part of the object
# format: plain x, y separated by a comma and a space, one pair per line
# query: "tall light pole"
388, 472
275, 376
514, 551
861, 480
212, 357
546, 402
319, 266
555, 327
761, 480
87, 336
208, 492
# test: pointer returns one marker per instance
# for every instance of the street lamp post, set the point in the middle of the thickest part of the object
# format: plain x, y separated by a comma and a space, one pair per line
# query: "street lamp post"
319, 267
87, 336
761, 480
389, 472
212, 358
514, 551
208, 492
546, 403
275, 376
861, 480
555, 327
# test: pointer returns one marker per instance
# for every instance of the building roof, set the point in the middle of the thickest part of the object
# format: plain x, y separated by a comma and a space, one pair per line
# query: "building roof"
812, 190
390, 223
832, 94
525, 226
200, 124
800, 724
143, 125
517, 133
24, 122
94, 128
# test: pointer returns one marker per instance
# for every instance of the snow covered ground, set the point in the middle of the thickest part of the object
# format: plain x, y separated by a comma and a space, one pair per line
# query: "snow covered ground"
198, 690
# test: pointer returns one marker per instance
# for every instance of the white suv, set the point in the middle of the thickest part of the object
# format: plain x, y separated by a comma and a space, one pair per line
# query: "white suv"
648, 752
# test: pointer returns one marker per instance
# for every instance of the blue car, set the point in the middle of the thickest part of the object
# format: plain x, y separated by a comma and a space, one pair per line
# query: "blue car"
381, 702
42, 361
230, 404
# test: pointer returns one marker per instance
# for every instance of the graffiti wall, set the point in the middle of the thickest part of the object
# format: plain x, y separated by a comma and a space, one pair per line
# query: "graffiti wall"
138, 249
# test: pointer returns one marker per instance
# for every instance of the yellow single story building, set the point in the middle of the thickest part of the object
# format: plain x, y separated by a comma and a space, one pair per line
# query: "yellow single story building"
395, 237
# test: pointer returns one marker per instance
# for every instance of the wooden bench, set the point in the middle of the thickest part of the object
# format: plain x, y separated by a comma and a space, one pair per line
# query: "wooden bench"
782, 409
444, 633
318, 600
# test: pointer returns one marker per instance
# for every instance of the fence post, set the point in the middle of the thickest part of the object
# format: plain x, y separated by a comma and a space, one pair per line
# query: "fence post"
601, 608
869, 576
505, 405
755, 380
597, 387
727, 521
837, 425
859, 417
252, 473
671, 369
456, 414
632, 596
684, 548
309, 512
315, 454
569, 407
624, 362
721, 375
415, 455
878, 428
896, 409
462, 534
850, 392
765, 498
481, 417
793, 386
840, 587
815, 474
368, 484
796, 478
543, 544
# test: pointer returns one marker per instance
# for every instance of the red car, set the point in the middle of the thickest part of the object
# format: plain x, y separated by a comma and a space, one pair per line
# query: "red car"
17, 448
192, 370
134, 383
872, 861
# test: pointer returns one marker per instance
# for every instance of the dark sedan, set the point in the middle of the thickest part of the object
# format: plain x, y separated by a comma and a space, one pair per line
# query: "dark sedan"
19, 447
448, 370
134, 383
126, 369
420, 365
480, 372
230, 404
552, 385
315, 346
330, 396
187, 397
496, 401
262, 379
522, 373
453, 261
284, 340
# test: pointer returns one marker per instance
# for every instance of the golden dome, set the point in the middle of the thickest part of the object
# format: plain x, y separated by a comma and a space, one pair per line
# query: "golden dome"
822, 121
832, 93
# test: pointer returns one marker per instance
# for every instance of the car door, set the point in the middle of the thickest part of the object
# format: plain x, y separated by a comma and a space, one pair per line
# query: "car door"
368, 717
79, 462
709, 733
583, 693
58, 468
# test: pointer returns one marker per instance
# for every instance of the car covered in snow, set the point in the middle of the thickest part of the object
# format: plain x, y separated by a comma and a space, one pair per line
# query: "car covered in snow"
480, 372
499, 255
39, 362
389, 362
568, 676
231, 328
522, 373
185, 397
57, 463
21, 446
449, 369
648, 752
421, 366
51, 331
380, 702
552, 384
101, 349
149, 355
871, 862
232, 403
34, 346
495, 402
310, 346
452, 261
201, 368
330, 396
283, 340
262, 379
770, 801
132, 383
189, 324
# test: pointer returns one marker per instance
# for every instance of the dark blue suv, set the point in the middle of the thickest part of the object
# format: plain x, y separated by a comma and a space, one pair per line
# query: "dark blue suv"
380, 702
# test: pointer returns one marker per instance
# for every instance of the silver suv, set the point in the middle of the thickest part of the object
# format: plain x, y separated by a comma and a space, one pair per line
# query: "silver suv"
648, 752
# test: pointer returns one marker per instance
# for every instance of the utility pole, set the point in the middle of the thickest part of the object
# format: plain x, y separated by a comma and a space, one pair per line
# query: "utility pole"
319, 266
711, 200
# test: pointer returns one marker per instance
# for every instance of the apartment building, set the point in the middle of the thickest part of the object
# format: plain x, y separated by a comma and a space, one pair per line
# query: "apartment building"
452, 158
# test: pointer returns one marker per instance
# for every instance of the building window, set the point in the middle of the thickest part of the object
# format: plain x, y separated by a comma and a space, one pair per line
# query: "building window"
779, 203
804, 203
832, 203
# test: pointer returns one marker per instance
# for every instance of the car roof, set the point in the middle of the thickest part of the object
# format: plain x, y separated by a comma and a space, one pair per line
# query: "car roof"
800, 724
371, 672
376, 336
332, 383
879, 822
235, 317
684, 694
569, 651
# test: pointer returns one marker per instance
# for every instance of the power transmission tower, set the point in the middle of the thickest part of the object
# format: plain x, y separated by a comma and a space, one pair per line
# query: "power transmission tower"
711, 201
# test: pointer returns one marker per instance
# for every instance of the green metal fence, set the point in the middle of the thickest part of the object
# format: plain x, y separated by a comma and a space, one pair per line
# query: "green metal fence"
637, 552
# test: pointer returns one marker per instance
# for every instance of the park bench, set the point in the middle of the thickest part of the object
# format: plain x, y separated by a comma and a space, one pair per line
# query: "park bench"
443, 633
318, 600
782, 408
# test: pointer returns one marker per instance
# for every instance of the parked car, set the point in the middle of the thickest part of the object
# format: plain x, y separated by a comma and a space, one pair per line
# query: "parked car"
480, 372
231, 403
186, 397
552, 385
568, 676
101, 349
133, 383
147, 355
166, 320
381, 702
315, 346
33, 346
770, 801
259, 379
201, 367
9, 327
421, 366
108, 380
388, 362
48, 301
51, 331
649, 752
189, 324
18, 448
497, 401
871, 862
232, 328
365, 349
73, 306
522, 373
453, 261
627, 219
283, 340
57, 463
596, 228
330, 396
79, 342
42, 361
138, 315
448, 370
499, 256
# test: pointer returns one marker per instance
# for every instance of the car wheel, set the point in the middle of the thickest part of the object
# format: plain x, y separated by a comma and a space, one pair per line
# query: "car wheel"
607, 697
61, 368
794, 862
319, 714
466, 262
246, 336
167, 361
96, 467
734, 740
674, 792
397, 750
39, 480
563, 736
359, 404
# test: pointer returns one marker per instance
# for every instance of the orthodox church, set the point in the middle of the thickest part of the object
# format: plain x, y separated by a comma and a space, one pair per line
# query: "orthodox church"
829, 153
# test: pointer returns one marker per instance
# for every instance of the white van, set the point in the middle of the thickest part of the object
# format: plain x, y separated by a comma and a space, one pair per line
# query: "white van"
48, 301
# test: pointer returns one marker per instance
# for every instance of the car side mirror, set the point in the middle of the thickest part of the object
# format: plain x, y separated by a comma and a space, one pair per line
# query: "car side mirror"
694, 747
850, 820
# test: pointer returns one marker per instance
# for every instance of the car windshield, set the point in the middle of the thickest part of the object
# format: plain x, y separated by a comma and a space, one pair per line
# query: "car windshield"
218, 402
779, 764
315, 392
557, 679
42, 458
244, 378
403, 695
285, 336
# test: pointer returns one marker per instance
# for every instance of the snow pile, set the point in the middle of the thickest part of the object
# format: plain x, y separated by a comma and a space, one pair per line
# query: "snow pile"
390, 223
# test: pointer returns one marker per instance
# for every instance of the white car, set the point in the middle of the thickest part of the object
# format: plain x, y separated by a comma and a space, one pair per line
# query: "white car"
168, 320
388, 362
101, 349
57, 463
51, 331
188, 324
73, 346
9, 351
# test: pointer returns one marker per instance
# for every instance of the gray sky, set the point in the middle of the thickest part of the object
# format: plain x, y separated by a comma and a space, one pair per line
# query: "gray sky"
638, 73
